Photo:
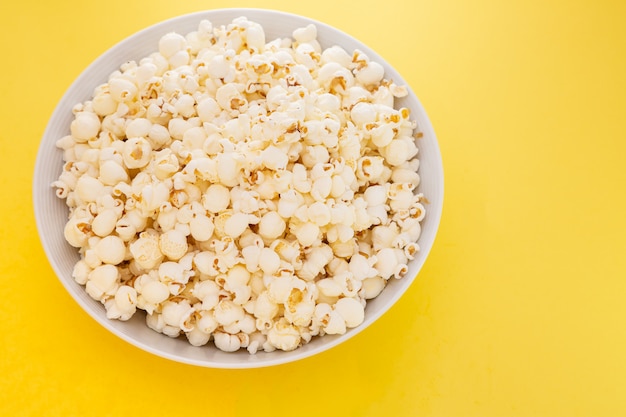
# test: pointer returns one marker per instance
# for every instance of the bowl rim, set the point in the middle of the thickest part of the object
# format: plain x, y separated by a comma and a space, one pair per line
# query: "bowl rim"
278, 356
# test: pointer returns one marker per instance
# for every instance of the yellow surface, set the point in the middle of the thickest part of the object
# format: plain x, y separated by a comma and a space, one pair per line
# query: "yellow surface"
519, 310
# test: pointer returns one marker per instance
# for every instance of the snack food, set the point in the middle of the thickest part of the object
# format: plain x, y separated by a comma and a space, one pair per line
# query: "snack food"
253, 193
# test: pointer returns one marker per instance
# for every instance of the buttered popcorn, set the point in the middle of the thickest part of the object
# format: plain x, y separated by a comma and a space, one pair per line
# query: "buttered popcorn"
251, 193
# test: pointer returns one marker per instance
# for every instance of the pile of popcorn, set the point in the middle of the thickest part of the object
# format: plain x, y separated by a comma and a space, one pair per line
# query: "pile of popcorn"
253, 194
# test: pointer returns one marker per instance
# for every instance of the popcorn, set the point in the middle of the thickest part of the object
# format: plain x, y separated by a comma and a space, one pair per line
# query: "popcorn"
85, 126
227, 312
103, 280
173, 244
351, 310
348, 283
306, 233
386, 263
201, 228
265, 309
112, 173
207, 323
226, 342
197, 337
271, 225
371, 74
372, 287
305, 34
283, 335
76, 231
124, 304
88, 188
81, 271
237, 224
146, 250
329, 287
111, 250
175, 313
155, 292
317, 258
122, 90
251, 193
335, 324
269, 261
338, 55
103, 103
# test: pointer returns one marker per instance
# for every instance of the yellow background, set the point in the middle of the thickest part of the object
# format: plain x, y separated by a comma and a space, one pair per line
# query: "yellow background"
520, 309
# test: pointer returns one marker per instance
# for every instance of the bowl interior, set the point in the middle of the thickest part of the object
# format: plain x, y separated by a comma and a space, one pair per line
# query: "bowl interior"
51, 212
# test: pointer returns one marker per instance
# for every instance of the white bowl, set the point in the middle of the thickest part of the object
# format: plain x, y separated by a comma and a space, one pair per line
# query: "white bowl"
51, 212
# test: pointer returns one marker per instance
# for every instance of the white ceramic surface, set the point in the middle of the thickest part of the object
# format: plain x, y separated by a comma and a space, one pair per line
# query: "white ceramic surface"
51, 212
